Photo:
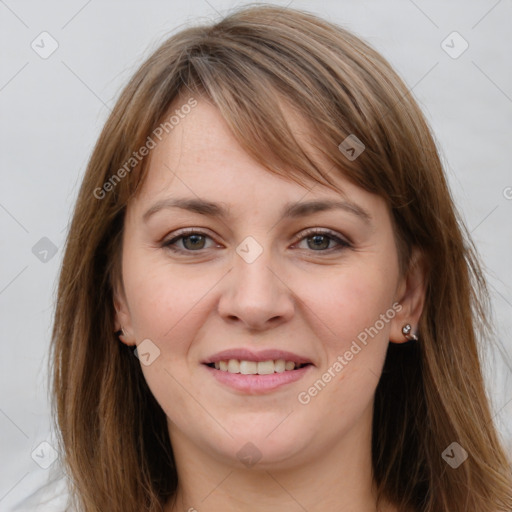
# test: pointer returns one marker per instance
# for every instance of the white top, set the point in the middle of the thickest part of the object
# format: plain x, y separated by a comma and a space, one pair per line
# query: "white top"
48, 492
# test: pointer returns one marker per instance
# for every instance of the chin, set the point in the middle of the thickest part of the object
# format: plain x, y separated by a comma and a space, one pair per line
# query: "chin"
264, 446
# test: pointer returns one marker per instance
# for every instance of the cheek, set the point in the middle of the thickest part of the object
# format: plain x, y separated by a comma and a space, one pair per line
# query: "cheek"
350, 301
353, 314
170, 306
162, 296
155, 308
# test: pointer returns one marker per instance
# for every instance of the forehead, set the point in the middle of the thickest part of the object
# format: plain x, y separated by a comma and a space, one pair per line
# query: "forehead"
201, 158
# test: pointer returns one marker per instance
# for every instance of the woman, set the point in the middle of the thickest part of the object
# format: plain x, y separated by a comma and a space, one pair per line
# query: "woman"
267, 300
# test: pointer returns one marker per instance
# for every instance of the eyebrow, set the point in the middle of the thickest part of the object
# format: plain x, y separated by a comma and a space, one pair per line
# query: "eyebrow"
290, 210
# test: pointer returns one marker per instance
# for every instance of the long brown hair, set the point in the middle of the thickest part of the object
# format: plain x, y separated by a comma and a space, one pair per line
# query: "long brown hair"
113, 433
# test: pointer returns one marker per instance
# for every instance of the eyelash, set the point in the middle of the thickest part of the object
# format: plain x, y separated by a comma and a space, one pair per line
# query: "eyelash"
343, 244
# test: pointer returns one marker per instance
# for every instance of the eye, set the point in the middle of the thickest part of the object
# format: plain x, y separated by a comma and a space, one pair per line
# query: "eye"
321, 240
194, 241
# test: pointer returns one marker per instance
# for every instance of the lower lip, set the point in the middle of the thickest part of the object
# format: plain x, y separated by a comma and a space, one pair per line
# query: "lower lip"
253, 384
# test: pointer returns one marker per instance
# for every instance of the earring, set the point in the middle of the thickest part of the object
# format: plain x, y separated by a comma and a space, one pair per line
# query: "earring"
406, 331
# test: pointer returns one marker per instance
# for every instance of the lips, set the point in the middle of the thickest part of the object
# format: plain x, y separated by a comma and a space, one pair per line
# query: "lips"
263, 355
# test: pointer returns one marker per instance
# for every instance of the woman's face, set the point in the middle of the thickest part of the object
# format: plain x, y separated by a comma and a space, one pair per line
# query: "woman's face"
261, 273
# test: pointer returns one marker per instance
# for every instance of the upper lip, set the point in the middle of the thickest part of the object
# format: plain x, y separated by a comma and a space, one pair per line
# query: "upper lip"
262, 355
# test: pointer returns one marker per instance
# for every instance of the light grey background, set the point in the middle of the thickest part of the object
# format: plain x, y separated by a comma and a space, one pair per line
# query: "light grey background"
53, 110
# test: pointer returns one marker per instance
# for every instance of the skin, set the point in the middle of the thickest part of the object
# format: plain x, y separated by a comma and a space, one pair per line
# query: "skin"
294, 296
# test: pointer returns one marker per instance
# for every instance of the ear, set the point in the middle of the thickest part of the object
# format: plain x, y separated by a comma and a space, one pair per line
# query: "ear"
123, 316
410, 295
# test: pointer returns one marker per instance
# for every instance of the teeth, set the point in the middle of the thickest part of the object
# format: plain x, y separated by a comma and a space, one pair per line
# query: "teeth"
280, 365
266, 367
255, 368
233, 366
248, 367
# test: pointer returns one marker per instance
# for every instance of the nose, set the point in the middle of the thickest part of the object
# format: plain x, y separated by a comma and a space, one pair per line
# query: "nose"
256, 295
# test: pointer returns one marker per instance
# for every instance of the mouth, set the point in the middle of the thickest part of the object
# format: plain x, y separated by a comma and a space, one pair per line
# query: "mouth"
250, 373
246, 367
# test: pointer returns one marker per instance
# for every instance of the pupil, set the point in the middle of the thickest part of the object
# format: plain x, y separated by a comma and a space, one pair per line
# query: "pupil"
316, 237
194, 238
